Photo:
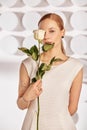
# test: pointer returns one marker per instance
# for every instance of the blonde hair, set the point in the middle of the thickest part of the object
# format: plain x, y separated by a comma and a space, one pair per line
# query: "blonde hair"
58, 20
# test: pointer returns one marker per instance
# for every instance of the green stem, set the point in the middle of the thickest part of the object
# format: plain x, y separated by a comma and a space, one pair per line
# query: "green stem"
38, 113
38, 97
38, 63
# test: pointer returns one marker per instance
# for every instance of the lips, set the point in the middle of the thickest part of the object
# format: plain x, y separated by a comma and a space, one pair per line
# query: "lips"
48, 42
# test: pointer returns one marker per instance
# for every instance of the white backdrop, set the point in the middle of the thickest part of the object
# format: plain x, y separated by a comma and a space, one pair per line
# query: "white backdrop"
18, 18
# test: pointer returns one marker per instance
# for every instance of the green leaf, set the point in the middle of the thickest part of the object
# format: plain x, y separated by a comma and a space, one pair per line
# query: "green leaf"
34, 49
25, 50
41, 74
44, 67
48, 68
34, 52
35, 56
47, 47
54, 60
34, 80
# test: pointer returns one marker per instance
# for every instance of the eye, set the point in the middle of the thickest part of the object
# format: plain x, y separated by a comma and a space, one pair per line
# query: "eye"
51, 31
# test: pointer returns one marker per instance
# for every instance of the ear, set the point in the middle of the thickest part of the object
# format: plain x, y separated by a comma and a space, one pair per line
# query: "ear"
62, 33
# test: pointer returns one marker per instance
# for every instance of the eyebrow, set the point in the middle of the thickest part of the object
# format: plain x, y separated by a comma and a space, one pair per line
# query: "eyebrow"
49, 28
52, 28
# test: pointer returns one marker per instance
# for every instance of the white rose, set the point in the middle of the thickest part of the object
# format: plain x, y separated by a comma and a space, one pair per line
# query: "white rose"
39, 34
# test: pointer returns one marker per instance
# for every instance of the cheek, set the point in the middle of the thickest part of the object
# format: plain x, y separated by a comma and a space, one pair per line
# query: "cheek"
58, 35
56, 38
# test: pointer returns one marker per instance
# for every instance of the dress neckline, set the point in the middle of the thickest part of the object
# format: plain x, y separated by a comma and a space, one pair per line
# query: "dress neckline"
58, 65
53, 66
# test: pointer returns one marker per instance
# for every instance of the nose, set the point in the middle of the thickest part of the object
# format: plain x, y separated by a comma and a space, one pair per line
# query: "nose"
46, 36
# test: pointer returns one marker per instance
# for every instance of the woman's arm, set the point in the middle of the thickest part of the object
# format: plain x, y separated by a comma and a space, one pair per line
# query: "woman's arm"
75, 92
27, 92
24, 82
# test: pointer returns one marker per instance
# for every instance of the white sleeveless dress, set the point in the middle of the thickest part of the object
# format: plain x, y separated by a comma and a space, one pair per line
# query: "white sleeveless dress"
54, 114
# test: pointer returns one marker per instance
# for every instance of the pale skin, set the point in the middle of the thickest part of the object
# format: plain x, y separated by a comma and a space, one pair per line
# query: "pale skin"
28, 92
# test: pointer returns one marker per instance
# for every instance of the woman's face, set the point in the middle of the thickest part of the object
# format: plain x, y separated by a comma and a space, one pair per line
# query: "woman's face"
53, 33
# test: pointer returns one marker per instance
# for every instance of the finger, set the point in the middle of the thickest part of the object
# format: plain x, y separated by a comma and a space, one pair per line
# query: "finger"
39, 85
39, 91
37, 82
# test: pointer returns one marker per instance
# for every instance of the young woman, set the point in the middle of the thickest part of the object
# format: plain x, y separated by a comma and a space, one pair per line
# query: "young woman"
60, 87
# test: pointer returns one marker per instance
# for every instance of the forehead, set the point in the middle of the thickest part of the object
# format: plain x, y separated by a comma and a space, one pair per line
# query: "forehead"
48, 23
